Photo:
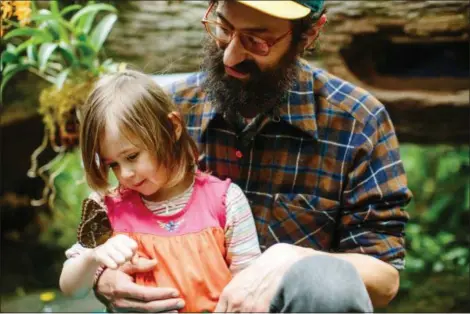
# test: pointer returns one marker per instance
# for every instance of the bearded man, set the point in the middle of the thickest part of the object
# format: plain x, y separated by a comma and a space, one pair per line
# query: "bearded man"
316, 156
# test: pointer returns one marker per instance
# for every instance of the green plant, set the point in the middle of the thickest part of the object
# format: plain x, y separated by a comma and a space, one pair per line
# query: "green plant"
64, 46
58, 43
437, 233
70, 189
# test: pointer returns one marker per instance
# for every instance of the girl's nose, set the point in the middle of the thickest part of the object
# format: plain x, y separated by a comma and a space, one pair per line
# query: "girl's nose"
127, 172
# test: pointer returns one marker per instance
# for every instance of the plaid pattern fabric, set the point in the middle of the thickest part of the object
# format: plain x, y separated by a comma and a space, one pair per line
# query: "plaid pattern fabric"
323, 172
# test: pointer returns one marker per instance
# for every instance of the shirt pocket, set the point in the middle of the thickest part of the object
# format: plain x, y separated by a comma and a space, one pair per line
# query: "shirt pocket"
301, 219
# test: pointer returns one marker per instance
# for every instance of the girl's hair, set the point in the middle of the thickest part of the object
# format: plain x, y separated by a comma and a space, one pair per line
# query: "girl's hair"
132, 103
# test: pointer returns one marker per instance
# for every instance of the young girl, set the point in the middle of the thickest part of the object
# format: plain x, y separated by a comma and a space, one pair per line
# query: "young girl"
199, 228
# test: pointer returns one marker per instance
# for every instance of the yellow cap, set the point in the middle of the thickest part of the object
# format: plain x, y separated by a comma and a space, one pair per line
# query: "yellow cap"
47, 296
289, 10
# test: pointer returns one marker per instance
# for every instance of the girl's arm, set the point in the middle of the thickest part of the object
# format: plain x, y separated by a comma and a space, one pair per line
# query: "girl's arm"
78, 273
241, 239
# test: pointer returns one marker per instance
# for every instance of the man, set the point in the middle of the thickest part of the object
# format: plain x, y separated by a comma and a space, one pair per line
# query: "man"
316, 156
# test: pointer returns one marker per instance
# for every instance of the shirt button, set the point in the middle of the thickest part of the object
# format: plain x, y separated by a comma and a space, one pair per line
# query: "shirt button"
238, 154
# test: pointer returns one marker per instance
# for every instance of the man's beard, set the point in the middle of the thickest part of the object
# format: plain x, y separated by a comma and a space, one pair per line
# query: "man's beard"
262, 92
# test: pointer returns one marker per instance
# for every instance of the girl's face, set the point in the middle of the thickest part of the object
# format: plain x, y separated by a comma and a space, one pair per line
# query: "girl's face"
134, 167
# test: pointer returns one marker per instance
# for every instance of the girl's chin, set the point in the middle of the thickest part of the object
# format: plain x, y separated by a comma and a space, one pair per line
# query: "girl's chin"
147, 194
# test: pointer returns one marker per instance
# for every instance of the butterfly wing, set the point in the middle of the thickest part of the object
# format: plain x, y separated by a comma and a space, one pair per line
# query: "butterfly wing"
95, 227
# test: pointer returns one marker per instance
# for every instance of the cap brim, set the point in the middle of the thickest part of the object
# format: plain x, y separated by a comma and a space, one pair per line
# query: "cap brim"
289, 10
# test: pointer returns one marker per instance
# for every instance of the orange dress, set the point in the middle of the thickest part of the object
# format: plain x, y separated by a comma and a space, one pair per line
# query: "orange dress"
189, 245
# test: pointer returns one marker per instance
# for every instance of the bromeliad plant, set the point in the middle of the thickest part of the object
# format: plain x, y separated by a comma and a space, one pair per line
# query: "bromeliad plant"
64, 46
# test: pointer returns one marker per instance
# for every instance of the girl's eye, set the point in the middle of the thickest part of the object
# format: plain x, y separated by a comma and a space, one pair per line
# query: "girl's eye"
132, 156
113, 165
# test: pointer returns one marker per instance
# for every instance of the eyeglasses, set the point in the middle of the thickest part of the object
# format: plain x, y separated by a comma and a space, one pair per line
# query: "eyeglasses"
251, 43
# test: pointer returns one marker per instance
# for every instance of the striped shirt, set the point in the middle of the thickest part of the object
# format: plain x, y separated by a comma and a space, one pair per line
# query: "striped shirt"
323, 171
240, 233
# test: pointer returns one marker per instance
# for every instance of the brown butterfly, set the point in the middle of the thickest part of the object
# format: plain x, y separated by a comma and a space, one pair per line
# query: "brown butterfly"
95, 227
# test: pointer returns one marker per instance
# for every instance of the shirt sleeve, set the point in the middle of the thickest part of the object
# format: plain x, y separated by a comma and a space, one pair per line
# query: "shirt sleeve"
241, 239
373, 219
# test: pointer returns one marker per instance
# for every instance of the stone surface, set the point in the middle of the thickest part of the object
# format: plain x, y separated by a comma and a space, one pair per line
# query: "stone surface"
165, 37
159, 36
412, 55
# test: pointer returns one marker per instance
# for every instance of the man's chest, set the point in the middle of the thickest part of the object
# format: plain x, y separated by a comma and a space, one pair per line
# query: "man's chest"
293, 181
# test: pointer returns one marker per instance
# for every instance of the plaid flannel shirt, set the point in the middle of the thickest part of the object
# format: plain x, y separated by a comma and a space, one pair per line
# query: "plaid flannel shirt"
324, 172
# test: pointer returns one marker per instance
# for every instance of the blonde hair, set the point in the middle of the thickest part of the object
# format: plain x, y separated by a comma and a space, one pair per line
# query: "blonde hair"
135, 105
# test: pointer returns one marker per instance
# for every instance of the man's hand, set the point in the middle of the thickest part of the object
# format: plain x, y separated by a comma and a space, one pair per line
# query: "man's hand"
119, 289
253, 288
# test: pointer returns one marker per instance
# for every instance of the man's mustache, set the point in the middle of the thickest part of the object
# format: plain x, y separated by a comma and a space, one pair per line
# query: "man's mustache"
247, 66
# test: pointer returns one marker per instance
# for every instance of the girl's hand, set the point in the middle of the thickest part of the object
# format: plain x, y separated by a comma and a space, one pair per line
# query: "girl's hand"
115, 252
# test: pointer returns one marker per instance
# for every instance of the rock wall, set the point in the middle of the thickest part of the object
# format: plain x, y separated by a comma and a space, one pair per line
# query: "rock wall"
412, 55
159, 36
165, 36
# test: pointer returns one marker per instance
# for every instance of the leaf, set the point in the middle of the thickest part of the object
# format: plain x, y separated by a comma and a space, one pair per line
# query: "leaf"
102, 30
67, 52
445, 237
8, 57
32, 41
438, 207
31, 52
91, 8
57, 22
456, 253
54, 7
12, 23
44, 54
6, 77
61, 78
9, 67
59, 30
86, 22
28, 31
466, 203
70, 8
11, 48
48, 16
85, 49
438, 267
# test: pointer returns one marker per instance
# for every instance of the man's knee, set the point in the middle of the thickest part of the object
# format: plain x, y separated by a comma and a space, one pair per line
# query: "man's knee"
322, 283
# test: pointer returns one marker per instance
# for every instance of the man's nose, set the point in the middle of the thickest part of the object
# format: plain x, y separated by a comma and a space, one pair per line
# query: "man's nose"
234, 53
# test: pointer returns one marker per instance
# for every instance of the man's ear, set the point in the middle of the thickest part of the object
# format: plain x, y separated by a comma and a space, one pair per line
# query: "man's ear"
175, 119
312, 34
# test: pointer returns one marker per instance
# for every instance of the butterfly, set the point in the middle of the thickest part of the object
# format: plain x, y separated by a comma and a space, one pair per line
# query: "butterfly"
95, 227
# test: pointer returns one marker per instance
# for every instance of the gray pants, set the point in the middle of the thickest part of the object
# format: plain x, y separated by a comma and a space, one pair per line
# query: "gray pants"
321, 284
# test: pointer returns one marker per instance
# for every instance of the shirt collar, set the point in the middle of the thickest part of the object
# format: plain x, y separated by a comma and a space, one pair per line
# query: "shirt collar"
299, 107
